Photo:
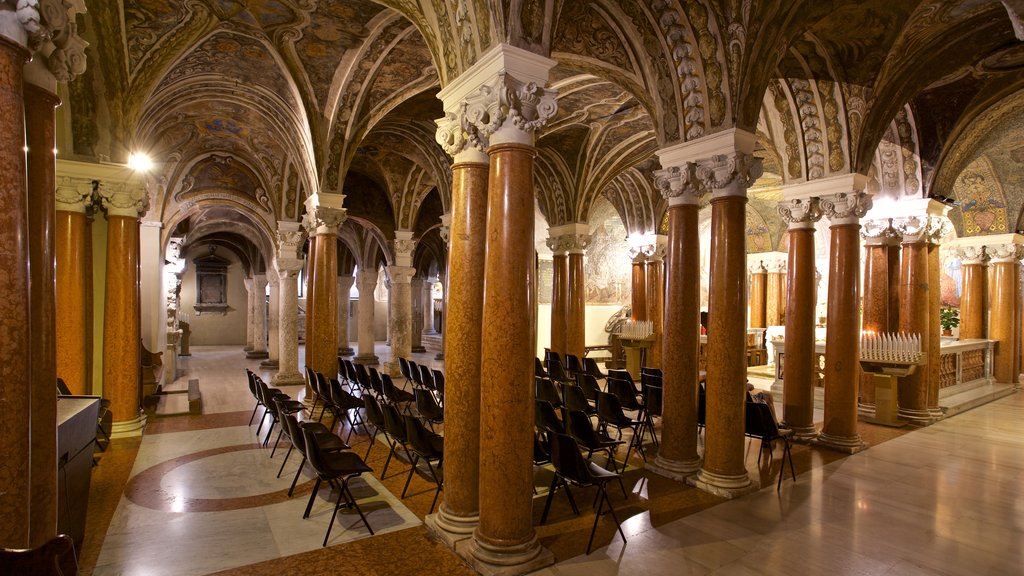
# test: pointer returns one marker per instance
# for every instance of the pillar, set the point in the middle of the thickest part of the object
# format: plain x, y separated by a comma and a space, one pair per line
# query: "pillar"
758, 295
1004, 270
124, 205
326, 216
73, 196
972, 295
727, 176
428, 306
656, 299
367, 279
250, 315
459, 513
505, 541
418, 301
259, 317
842, 340
798, 363
344, 302
559, 295
440, 326
288, 263
400, 319
310, 287
273, 322
569, 296
677, 457
879, 238
775, 294
638, 298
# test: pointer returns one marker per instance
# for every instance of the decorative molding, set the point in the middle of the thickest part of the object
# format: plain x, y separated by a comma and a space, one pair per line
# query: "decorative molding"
845, 207
680, 185
800, 212
489, 109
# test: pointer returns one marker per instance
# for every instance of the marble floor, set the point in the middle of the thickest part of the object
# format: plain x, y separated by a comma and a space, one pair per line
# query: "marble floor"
198, 495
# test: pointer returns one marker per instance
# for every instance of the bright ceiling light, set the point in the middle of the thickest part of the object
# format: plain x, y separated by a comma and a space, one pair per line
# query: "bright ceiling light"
139, 162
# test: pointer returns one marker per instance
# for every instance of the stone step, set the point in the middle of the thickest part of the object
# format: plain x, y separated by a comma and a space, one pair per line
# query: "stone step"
432, 342
178, 401
974, 397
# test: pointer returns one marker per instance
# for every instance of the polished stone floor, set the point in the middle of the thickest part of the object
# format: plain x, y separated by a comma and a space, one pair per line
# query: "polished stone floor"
198, 496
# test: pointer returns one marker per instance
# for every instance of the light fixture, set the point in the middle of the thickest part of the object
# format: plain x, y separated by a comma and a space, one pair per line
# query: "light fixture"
139, 162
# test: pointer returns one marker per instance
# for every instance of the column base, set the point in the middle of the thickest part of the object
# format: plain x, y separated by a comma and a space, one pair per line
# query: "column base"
256, 355
915, 416
270, 363
128, 428
846, 444
490, 560
866, 409
288, 379
367, 359
440, 356
418, 349
455, 531
346, 351
721, 485
937, 414
802, 433
247, 349
678, 470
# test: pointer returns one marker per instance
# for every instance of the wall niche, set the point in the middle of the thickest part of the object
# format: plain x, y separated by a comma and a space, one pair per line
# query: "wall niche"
211, 283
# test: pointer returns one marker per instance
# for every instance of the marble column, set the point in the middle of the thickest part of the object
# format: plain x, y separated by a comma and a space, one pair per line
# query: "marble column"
259, 317
842, 340
656, 300
344, 302
326, 215
124, 205
400, 319
273, 322
250, 315
775, 304
758, 295
15, 371
559, 295
416, 288
727, 176
638, 298
799, 363
440, 326
310, 287
73, 196
1004, 270
459, 513
935, 329
678, 457
878, 237
367, 279
505, 541
428, 306
972, 296
288, 263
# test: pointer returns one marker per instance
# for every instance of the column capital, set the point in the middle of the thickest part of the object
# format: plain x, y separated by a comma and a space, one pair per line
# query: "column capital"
404, 247
729, 174
772, 262
288, 267
800, 212
73, 194
572, 238
21, 21
366, 279
642, 246
1009, 253
120, 199
259, 282
758, 268
273, 280
290, 237
324, 213
656, 252
401, 274
879, 232
970, 254
680, 185
922, 228
845, 207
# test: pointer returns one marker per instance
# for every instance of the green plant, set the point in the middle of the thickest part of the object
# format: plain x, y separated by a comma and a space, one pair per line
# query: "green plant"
949, 317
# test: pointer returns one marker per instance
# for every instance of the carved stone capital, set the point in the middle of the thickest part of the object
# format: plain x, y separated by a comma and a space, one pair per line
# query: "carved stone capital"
367, 281
758, 268
879, 232
679, 184
288, 267
290, 238
1005, 253
502, 103
20, 21
73, 194
57, 39
729, 174
401, 274
569, 243
656, 252
404, 247
970, 254
446, 226
800, 212
326, 221
259, 283
924, 228
120, 199
845, 207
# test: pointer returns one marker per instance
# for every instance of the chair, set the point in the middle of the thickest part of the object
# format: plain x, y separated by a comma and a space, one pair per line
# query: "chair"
588, 383
438, 382
556, 371
333, 466
376, 382
545, 418
329, 443
760, 423
250, 376
590, 367
314, 385
428, 447
573, 398
375, 416
426, 377
344, 405
415, 374
363, 377
573, 365
403, 367
609, 413
627, 395
55, 557
571, 468
396, 395
427, 407
549, 356
394, 430
583, 432
538, 368
546, 390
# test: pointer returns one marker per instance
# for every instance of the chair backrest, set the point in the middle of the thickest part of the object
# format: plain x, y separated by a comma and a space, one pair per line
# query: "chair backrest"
426, 405
373, 411
313, 452
414, 373
403, 366
546, 390
582, 430
651, 370
572, 363
419, 438
56, 557
376, 382
575, 399
323, 389
622, 375
393, 423
609, 409
590, 367
438, 380
625, 392
588, 383
555, 368
538, 368
292, 429
568, 462
545, 418
362, 376
550, 354
426, 378
760, 422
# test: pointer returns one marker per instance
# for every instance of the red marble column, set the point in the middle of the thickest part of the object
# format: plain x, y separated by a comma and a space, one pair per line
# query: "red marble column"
775, 307
677, 458
798, 361
559, 300
972, 296
723, 471
41, 160
639, 293
311, 268
459, 513
758, 296
575, 322
842, 340
1005, 284
912, 390
324, 305
71, 332
876, 296
935, 329
120, 320
656, 304
15, 373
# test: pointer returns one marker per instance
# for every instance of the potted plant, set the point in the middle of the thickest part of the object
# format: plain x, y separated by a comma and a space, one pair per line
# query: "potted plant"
949, 318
